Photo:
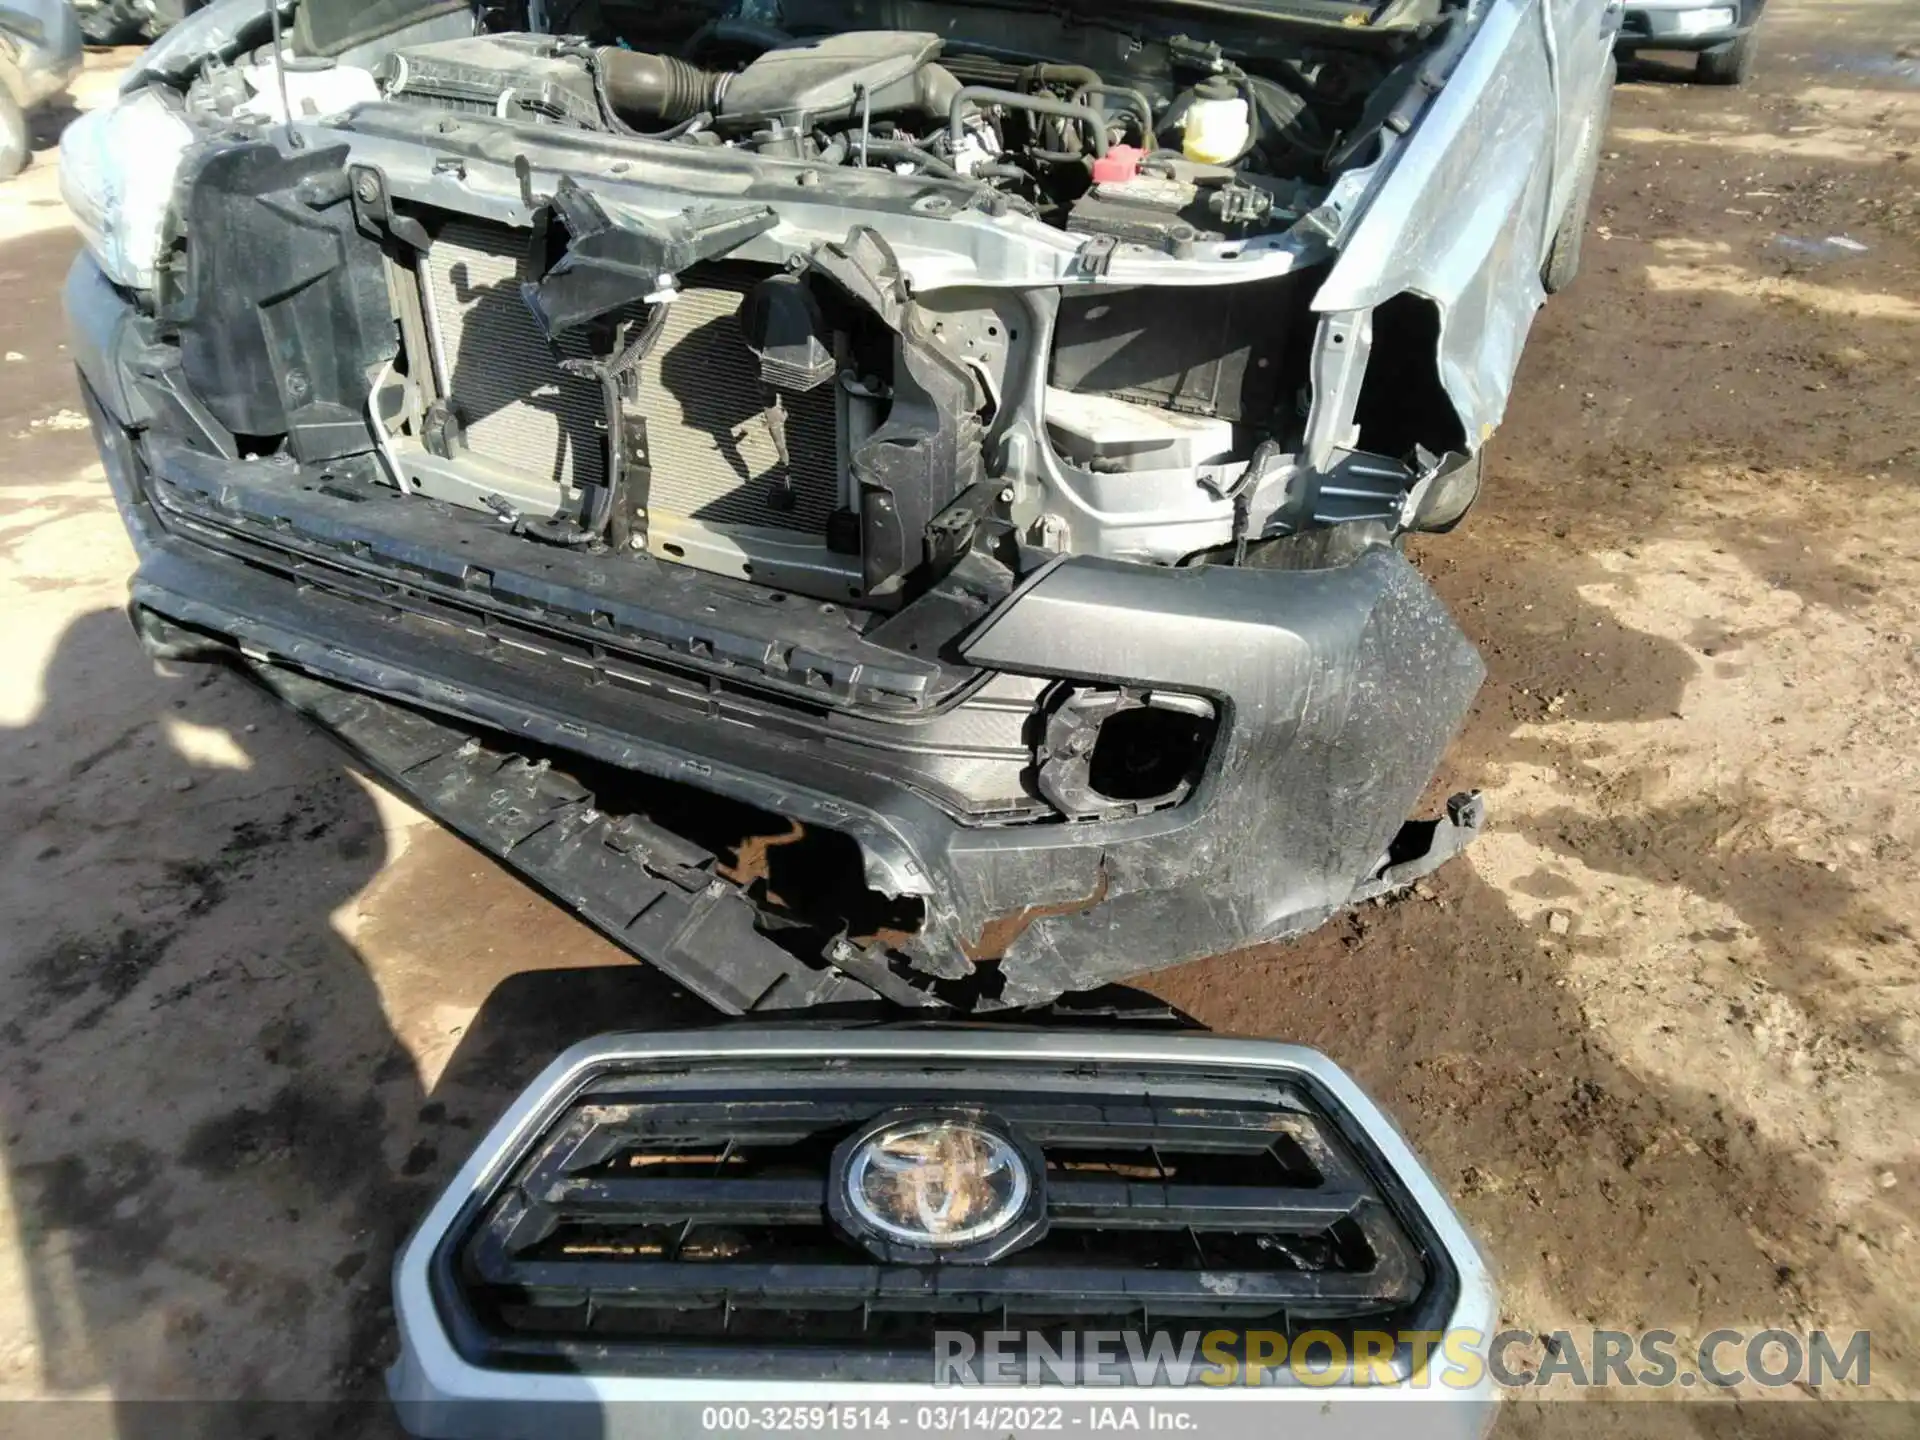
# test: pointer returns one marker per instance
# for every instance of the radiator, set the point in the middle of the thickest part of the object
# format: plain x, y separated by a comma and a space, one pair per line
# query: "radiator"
712, 459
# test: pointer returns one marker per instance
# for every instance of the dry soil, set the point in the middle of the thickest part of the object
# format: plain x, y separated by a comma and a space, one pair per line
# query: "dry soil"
1657, 1033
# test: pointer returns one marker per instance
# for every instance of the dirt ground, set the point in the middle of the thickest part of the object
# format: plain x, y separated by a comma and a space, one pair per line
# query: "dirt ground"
1657, 1033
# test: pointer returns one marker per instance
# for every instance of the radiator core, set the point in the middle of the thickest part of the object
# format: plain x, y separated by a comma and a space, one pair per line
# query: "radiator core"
711, 455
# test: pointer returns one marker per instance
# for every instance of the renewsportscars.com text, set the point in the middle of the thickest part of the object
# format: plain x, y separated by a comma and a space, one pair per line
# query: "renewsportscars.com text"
1461, 1359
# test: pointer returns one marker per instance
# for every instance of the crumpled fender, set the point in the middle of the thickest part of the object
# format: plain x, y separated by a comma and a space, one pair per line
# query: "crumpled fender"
1461, 217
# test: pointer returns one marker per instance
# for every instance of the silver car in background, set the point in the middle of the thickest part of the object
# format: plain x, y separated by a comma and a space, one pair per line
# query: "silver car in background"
40, 53
1723, 34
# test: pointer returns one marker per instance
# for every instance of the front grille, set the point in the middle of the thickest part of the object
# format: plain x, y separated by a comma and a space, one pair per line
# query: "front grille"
712, 458
690, 1206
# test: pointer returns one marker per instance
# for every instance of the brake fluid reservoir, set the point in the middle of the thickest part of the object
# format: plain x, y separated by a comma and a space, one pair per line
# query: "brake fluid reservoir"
1217, 127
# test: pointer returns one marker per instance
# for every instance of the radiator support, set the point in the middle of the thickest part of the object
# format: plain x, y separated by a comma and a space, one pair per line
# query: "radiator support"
533, 431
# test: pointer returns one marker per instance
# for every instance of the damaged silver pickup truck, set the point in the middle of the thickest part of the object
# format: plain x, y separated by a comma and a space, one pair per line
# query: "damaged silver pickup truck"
857, 498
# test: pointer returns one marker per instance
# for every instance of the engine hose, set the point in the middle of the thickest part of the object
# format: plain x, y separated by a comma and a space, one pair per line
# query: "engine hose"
658, 87
1033, 104
1048, 154
621, 127
1173, 116
901, 150
685, 127
1142, 106
1253, 117
597, 73
1079, 75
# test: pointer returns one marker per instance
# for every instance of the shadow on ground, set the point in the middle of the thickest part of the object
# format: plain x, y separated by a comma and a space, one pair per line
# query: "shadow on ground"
1665, 67
1465, 1022
47, 124
216, 1130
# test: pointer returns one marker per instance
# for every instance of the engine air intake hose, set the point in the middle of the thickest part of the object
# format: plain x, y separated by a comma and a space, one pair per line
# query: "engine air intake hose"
658, 88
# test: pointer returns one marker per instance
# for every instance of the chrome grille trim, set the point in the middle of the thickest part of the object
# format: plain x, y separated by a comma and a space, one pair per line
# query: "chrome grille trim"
450, 1363
682, 1202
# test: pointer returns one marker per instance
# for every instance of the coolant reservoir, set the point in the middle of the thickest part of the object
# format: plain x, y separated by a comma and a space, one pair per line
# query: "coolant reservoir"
1217, 124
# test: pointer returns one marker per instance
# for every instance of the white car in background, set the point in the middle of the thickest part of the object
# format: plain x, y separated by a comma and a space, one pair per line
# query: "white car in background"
1723, 33
39, 56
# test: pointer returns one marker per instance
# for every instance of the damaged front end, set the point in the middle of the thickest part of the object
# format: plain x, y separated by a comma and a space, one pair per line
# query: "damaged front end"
912, 425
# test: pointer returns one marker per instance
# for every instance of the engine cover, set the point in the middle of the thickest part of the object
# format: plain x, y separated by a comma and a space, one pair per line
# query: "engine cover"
516, 77
832, 77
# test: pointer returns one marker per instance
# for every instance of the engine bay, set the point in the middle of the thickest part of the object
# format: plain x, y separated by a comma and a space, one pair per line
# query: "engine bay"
837, 387
1140, 132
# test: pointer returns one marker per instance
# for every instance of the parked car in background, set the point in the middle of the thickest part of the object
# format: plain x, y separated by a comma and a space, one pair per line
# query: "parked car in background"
40, 53
1723, 33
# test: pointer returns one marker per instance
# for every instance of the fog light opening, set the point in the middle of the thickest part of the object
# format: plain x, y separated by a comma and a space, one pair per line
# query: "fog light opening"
1114, 751
1145, 754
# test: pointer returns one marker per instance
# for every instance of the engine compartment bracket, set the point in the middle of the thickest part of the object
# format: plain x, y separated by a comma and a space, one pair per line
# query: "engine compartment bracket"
1423, 846
605, 264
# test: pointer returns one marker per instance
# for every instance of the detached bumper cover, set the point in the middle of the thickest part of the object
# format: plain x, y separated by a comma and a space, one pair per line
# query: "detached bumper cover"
603, 1355
1342, 687
1338, 691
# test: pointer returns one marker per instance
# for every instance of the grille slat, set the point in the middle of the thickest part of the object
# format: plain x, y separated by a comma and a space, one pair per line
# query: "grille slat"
679, 1284
1140, 1205
712, 458
1120, 1204
716, 1200
1063, 1123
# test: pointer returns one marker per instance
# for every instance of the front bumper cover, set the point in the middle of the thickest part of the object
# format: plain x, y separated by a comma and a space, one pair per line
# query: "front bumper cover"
1339, 689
